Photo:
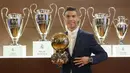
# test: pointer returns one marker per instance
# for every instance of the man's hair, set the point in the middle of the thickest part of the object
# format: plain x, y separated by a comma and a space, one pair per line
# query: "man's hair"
70, 9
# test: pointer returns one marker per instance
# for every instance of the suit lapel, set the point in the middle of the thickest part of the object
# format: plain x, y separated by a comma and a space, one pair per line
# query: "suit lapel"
77, 42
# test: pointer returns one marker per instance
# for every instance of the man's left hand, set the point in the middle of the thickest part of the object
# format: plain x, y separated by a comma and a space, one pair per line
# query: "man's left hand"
81, 61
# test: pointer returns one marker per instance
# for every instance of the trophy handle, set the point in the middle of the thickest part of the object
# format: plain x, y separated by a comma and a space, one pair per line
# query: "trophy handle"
23, 24
32, 11
126, 26
111, 21
4, 15
52, 19
33, 8
61, 21
114, 22
80, 10
92, 16
109, 11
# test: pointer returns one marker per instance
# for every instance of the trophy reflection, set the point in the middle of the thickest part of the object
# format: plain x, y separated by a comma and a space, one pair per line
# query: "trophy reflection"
60, 43
43, 19
61, 16
15, 24
121, 25
101, 23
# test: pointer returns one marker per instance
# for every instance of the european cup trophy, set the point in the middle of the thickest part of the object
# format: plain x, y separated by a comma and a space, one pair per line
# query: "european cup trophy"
60, 43
43, 20
15, 24
82, 17
101, 23
121, 25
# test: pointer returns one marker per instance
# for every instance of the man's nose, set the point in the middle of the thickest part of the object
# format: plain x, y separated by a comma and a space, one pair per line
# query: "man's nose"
70, 18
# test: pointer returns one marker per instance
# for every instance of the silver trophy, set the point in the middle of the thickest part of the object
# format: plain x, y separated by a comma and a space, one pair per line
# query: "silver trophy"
101, 23
43, 19
82, 17
15, 23
121, 25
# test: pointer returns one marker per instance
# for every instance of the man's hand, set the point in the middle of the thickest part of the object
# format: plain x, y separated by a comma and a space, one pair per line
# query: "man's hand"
59, 62
81, 61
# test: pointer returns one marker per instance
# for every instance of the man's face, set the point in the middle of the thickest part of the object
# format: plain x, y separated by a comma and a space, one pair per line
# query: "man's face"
71, 20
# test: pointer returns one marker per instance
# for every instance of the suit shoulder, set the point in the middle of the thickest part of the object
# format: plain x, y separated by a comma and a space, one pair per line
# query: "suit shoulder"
86, 33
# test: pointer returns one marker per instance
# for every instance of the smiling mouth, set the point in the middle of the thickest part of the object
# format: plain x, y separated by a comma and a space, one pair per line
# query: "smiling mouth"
71, 22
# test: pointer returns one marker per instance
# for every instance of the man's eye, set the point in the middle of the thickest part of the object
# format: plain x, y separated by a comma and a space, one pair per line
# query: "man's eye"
68, 16
73, 16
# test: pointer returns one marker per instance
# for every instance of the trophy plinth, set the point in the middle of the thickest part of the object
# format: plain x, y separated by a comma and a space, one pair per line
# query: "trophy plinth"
14, 50
42, 49
121, 50
60, 43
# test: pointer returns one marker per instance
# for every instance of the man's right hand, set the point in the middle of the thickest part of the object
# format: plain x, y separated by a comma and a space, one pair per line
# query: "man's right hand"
59, 62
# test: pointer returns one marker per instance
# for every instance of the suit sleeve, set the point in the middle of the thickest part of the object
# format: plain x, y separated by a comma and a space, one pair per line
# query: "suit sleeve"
100, 54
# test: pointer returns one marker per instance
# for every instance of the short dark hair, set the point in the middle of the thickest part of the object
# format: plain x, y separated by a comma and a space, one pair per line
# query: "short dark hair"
70, 8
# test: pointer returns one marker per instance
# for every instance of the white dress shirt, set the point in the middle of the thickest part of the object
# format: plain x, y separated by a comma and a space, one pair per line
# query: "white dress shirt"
72, 35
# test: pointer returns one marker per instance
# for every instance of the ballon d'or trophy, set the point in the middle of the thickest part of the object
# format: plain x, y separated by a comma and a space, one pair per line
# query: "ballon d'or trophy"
43, 20
60, 43
15, 24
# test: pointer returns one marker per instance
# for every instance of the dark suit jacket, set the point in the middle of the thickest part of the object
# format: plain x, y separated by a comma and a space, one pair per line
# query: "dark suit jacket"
84, 46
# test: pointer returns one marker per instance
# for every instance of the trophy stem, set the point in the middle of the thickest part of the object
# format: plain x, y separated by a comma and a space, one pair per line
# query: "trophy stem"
43, 37
101, 41
120, 42
15, 42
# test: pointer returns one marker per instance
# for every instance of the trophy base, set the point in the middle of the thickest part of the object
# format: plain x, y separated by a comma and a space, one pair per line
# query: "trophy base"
14, 50
42, 49
60, 55
121, 50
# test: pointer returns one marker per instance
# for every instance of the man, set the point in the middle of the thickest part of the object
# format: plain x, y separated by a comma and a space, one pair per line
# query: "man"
81, 45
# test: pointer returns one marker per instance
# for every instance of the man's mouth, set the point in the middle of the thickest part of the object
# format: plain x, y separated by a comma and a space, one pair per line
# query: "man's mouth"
71, 22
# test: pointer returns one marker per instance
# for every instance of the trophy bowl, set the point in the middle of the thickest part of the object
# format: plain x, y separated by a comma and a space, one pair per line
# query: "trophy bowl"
121, 25
60, 43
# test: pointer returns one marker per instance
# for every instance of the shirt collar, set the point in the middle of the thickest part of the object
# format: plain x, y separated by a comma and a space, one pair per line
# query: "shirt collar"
74, 32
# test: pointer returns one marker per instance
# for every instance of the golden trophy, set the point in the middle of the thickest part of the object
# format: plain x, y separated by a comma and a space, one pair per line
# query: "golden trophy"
60, 43
15, 24
43, 20
82, 17
101, 22
121, 25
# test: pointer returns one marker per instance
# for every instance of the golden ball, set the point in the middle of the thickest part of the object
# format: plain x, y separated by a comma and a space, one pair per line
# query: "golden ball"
60, 41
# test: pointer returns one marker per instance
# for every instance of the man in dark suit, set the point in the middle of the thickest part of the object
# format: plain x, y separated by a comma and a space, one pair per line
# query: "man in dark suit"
81, 45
